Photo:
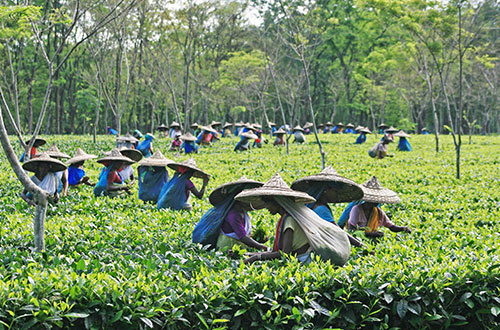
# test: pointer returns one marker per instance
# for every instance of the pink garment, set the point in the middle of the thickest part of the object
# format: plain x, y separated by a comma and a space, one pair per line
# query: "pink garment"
357, 218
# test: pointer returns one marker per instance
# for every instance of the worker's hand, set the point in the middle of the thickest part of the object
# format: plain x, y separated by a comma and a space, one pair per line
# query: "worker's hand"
406, 230
264, 248
56, 198
205, 180
252, 259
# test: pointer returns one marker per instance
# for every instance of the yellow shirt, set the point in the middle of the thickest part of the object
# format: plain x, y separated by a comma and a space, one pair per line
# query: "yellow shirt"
299, 237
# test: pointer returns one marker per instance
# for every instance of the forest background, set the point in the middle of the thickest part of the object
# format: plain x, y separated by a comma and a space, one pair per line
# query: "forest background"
138, 63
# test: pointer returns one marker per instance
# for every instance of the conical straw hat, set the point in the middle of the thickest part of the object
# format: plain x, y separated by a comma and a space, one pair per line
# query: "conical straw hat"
194, 125
115, 156
271, 124
55, 164
126, 138
191, 164
226, 125
350, 125
239, 124
272, 188
54, 152
188, 137
382, 126
358, 128
133, 154
80, 156
162, 127
215, 123
375, 193
208, 129
308, 124
391, 130
232, 188
175, 124
337, 188
402, 134
157, 159
38, 142
340, 124
298, 128
365, 130
280, 131
249, 135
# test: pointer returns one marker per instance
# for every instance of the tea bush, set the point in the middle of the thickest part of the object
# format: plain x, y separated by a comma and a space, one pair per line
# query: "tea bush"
120, 263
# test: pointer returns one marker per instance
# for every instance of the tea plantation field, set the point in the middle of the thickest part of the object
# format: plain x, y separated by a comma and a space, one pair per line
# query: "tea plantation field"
121, 264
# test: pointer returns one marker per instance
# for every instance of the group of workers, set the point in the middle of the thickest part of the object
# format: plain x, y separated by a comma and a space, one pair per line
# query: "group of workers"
306, 223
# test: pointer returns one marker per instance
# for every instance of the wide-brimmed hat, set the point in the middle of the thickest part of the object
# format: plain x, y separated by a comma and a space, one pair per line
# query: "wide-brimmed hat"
191, 164
387, 138
215, 123
162, 127
321, 125
227, 125
308, 124
256, 126
375, 193
55, 164
391, 130
249, 135
207, 128
175, 124
239, 124
232, 188
365, 130
126, 138
115, 155
249, 126
188, 137
402, 134
38, 142
298, 128
280, 131
338, 190
80, 156
271, 124
138, 133
157, 159
194, 125
359, 127
54, 152
133, 154
340, 124
329, 123
272, 188
382, 126
424, 129
350, 125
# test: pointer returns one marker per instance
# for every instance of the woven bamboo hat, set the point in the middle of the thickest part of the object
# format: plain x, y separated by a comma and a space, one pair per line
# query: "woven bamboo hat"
133, 154
359, 127
249, 135
321, 125
115, 156
382, 126
54, 152
208, 129
175, 124
402, 134
226, 125
126, 138
256, 127
280, 131
308, 124
162, 127
340, 124
375, 193
271, 124
232, 188
338, 189
188, 137
215, 123
38, 142
329, 123
191, 164
239, 124
272, 188
298, 128
157, 159
350, 125
391, 130
55, 164
365, 130
194, 125
80, 156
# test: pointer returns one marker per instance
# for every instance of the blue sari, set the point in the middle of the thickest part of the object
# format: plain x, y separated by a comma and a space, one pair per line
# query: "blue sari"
75, 174
151, 182
207, 230
403, 144
100, 187
145, 147
361, 139
173, 193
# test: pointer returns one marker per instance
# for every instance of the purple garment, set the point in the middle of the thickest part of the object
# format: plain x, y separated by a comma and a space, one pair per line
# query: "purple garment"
189, 186
234, 223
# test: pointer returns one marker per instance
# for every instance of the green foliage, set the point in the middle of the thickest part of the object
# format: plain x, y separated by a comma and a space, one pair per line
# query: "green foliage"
120, 263
15, 21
